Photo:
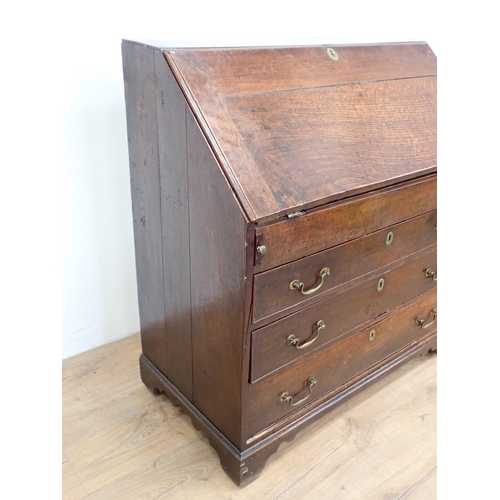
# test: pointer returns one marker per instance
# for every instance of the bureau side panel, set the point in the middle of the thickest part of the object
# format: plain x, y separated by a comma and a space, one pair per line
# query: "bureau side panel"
217, 236
171, 112
140, 97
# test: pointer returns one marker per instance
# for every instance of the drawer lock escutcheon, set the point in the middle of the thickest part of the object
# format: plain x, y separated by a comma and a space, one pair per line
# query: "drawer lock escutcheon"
294, 341
380, 284
286, 398
389, 238
371, 335
332, 54
432, 317
298, 285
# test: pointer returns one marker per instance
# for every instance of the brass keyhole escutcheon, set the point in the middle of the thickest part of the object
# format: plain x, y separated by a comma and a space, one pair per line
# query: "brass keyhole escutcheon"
332, 54
389, 238
380, 284
371, 335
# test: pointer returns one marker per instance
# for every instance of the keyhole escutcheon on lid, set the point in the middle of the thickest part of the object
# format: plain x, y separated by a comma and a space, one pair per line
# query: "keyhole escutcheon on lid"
333, 55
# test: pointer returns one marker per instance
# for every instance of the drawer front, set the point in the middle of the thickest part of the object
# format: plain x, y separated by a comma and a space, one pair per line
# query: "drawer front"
295, 238
331, 318
272, 291
334, 367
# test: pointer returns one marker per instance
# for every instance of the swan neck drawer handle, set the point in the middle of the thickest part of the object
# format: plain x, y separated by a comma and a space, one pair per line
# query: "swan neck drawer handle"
432, 317
429, 273
298, 285
294, 341
286, 398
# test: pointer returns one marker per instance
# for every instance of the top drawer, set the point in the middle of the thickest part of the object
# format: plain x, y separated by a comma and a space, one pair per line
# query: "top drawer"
295, 238
272, 289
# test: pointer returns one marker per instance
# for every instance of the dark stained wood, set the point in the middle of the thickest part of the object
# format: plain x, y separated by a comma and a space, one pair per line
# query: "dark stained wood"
317, 145
274, 115
171, 114
247, 70
247, 335
140, 94
217, 234
245, 466
341, 314
346, 262
336, 365
424, 345
295, 238
224, 144
230, 457
224, 122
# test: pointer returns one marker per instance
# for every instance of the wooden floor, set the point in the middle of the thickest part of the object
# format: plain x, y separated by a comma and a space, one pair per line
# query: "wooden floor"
122, 442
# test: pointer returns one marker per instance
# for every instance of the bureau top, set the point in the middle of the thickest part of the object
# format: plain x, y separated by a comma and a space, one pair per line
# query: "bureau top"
297, 127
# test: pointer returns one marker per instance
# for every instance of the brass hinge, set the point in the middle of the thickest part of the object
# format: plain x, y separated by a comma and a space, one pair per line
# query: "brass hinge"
296, 214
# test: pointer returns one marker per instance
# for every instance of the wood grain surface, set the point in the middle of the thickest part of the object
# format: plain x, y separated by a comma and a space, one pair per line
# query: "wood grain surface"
275, 116
350, 260
317, 230
317, 145
250, 70
142, 133
216, 158
172, 151
121, 441
218, 260
336, 365
341, 313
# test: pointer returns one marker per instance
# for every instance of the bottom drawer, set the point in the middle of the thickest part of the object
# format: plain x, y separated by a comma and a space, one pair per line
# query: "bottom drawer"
292, 389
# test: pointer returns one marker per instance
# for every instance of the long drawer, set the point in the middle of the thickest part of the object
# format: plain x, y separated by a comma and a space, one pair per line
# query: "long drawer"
293, 389
273, 291
297, 335
318, 230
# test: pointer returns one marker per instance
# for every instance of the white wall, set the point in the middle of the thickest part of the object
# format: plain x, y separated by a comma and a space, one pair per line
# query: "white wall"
99, 285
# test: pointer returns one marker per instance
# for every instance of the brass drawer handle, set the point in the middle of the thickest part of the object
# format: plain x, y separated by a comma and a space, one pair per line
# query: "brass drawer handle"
429, 273
298, 285
286, 398
293, 340
421, 322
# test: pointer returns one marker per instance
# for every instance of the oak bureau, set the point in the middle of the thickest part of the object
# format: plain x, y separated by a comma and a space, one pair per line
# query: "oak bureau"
284, 207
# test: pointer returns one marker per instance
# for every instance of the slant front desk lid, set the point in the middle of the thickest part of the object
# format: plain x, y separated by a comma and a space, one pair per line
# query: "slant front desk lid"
298, 127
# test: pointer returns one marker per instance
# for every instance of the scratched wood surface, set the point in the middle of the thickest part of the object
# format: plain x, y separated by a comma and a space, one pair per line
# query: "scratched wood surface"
293, 128
121, 441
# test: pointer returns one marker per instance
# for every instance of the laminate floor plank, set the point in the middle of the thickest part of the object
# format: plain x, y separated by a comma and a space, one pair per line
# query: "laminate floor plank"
120, 441
102, 389
72, 488
353, 446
